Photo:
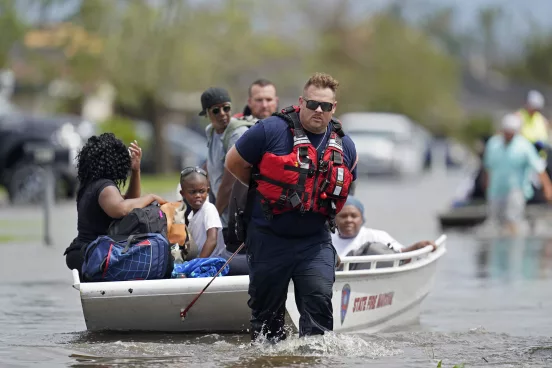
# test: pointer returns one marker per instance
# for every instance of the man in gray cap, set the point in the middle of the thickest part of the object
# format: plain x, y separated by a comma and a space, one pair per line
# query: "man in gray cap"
222, 133
509, 159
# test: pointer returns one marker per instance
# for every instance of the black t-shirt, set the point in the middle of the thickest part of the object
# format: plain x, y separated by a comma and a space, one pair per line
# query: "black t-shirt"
92, 220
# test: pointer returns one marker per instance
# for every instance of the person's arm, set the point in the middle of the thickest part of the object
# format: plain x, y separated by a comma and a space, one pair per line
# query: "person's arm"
134, 187
416, 246
225, 189
535, 163
210, 243
380, 236
237, 166
419, 245
115, 206
212, 225
484, 179
546, 185
351, 156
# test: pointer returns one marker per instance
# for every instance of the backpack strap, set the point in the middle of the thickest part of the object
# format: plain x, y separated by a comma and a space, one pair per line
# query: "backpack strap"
209, 134
232, 126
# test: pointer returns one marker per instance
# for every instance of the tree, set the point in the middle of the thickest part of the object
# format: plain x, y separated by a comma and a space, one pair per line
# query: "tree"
152, 51
386, 65
488, 20
12, 29
534, 63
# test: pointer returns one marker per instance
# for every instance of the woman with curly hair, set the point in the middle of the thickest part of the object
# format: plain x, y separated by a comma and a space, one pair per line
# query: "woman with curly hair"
103, 167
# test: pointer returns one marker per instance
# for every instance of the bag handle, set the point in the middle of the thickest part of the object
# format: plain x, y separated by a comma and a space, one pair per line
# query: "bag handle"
134, 238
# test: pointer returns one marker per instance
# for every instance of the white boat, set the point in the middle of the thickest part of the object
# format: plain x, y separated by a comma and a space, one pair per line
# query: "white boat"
367, 300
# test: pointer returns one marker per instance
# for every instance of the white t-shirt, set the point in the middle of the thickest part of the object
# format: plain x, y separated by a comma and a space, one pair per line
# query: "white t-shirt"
344, 245
206, 218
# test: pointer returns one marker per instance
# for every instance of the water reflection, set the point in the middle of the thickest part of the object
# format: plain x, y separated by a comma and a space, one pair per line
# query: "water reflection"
514, 258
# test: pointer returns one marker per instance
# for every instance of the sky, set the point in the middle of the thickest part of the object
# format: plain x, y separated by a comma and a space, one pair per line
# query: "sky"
521, 16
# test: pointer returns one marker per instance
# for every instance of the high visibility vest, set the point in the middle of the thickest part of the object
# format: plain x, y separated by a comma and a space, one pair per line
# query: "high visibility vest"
534, 128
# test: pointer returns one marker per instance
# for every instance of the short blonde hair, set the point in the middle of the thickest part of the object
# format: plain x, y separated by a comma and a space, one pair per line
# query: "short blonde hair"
322, 80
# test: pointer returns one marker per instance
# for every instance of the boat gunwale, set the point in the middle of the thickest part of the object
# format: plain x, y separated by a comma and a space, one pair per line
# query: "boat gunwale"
236, 284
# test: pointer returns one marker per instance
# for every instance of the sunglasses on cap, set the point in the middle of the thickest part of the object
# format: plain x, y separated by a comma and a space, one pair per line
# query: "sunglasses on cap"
225, 108
190, 169
313, 105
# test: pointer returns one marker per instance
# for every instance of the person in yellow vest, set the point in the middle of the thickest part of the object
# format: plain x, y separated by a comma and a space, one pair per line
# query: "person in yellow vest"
534, 124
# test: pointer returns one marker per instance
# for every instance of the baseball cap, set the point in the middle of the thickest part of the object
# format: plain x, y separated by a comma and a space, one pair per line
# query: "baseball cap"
511, 122
535, 99
213, 96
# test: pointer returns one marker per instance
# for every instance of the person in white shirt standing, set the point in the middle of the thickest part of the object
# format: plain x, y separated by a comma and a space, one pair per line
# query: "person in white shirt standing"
352, 238
204, 222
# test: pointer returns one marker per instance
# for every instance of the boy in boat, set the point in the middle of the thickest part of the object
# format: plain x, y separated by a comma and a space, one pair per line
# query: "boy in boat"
204, 221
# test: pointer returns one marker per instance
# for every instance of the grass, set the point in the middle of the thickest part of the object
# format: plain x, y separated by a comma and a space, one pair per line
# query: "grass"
151, 183
18, 238
158, 184
13, 230
439, 365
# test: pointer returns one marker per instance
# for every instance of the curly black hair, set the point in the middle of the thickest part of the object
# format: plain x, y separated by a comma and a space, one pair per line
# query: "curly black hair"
103, 157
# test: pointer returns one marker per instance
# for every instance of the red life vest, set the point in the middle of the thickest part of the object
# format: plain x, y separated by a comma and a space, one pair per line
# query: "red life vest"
298, 181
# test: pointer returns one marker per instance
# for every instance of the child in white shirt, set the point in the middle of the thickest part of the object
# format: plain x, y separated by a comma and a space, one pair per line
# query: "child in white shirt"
204, 221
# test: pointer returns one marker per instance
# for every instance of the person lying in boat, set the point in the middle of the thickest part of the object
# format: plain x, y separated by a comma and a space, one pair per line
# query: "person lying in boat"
204, 221
354, 239
103, 167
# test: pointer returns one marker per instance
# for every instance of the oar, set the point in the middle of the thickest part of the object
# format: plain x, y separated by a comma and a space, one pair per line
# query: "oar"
183, 312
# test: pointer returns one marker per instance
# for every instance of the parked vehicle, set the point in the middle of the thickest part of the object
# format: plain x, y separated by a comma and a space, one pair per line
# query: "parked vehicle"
387, 143
19, 172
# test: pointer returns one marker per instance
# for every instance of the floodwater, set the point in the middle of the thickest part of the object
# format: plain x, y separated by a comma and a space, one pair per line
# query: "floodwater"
490, 306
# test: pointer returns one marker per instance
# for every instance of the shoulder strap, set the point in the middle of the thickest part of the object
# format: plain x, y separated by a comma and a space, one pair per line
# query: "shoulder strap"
291, 116
337, 127
209, 134
233, 125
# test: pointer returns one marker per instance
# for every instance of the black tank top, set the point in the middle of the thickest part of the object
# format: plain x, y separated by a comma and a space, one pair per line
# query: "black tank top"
92, 220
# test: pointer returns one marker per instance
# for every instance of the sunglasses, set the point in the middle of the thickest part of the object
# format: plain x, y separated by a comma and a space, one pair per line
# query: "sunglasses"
188, 170
313, 105
225, 108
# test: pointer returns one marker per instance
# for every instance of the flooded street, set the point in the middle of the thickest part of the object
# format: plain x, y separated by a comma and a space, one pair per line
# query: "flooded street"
490, 305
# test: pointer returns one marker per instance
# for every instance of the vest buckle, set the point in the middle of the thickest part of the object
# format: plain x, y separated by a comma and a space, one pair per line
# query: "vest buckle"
281, 202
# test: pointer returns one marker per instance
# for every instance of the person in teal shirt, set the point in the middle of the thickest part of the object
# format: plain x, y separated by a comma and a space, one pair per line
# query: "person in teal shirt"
509, 161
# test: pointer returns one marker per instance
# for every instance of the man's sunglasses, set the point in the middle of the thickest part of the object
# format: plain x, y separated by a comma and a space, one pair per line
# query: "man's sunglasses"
313, 105
188, 170
225, 108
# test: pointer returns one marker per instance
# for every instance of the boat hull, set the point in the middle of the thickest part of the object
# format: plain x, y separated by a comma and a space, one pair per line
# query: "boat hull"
475, 214
363, 300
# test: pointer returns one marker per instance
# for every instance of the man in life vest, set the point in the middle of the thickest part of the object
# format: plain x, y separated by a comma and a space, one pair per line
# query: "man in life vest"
534, 124
262, 101
301, 165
